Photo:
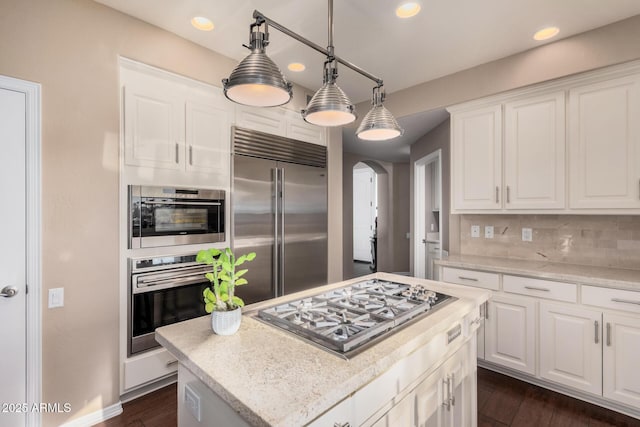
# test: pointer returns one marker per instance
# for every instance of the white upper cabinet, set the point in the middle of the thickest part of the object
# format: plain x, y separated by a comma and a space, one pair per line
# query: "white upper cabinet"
567, 146
175, 129
207, 137
604, 144
476, 161
153, 124
268, 120
534, 150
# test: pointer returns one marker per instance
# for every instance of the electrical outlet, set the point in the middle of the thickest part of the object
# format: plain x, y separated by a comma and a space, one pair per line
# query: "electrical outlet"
475, 231
527, 235
56, 297
488, 232
192, 402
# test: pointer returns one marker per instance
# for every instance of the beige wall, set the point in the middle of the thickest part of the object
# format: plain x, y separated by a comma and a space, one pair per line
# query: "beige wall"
437, 139
393, 218
608, 45
72, 47
602, 240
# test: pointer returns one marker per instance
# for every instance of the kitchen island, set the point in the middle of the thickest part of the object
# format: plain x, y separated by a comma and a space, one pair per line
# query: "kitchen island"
264, 376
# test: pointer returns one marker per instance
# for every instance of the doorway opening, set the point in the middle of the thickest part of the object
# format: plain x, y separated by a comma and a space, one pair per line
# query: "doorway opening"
365, 214
428, 220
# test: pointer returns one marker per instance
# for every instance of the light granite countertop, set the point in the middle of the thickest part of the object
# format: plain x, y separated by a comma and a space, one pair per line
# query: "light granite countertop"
581, 274
273, 378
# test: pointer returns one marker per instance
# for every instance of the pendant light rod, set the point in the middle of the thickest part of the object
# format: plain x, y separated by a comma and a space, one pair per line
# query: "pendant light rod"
330, 29
260, 18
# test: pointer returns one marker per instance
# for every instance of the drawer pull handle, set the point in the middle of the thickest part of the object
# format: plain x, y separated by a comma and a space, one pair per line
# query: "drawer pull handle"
608, 334
625, 301
468, 278
171, 363
535, 288
596, 331
342, 424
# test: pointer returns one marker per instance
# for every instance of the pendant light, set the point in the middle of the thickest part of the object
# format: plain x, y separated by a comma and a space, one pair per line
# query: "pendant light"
329, 105
257, 80
379, 124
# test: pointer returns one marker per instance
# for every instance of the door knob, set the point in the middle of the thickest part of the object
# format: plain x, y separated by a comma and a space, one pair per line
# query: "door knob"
424, 240
8, 291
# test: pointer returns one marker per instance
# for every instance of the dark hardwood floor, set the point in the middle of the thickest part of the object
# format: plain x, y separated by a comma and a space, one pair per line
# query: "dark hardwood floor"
502, 401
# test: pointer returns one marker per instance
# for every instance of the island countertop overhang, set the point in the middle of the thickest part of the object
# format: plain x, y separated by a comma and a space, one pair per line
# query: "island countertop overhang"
271, 377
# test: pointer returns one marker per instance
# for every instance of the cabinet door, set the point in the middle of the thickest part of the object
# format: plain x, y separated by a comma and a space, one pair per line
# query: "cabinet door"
621, 376
477, 159
153, 125
298, 129
208, 138
534, 148
510, 333
402, 414
429, 399
571, 346
604, 144
269, 120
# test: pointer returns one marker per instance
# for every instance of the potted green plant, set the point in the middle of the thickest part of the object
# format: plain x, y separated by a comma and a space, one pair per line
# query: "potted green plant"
219, 298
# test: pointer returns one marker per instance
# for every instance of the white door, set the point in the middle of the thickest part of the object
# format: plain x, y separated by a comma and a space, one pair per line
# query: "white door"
604, 144
363, 216
571, 346
510, 333
477, 159
534, 148
620, 359
208, 139
13, 254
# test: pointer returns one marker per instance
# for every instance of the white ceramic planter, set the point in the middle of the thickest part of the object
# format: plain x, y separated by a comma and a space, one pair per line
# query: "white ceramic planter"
226, 322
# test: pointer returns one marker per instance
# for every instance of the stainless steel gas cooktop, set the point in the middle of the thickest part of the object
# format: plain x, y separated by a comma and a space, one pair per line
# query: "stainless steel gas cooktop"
347, 320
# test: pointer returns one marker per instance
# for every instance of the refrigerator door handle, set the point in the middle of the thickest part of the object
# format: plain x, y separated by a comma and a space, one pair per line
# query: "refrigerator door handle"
282, 242
275, 175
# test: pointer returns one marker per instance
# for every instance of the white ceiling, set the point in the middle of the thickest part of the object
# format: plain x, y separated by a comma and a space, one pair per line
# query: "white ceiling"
447, 36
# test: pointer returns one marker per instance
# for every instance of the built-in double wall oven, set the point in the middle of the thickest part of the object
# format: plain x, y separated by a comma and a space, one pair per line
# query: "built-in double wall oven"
167, 216
168, 289
163, 290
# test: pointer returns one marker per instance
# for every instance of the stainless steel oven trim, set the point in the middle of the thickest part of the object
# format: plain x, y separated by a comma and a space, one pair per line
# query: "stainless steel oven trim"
184, 199
190, 271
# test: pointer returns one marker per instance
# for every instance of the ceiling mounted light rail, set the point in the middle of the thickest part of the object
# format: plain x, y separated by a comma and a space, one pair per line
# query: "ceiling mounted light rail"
257, 81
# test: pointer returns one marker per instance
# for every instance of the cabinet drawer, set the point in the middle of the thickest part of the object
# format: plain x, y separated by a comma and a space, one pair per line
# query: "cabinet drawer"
478, 279
616, 299
558, 291
148, 367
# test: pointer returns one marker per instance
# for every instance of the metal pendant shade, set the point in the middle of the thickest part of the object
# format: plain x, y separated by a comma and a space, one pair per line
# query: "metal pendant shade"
329, 107
257, 80
379, 125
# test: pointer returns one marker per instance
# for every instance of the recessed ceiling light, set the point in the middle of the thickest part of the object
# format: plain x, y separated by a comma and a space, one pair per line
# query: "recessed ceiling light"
296, 66
546, 33
407, 10
202, 23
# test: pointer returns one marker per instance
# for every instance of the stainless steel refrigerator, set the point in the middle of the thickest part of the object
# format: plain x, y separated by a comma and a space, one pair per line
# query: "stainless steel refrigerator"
279, 209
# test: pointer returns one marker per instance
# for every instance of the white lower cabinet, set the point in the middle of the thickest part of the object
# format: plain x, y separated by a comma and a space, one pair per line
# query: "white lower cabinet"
510, 333
621, 351
571, 346
442, 399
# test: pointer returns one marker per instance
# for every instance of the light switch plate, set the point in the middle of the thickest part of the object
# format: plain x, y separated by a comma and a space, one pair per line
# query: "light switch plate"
475, 231
488, 232
56, 297
527, 234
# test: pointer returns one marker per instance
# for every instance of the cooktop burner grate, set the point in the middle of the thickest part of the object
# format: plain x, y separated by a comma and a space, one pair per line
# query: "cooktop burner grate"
346, 319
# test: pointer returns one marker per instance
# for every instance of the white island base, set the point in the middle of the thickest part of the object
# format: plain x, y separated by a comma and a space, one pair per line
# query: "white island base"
421, 375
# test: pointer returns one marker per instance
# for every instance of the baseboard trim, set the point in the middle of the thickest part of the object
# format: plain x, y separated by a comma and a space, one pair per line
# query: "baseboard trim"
146, 389
96, 417
617, 407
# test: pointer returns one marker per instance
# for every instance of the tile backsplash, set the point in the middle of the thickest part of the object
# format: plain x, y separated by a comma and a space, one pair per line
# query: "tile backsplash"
611, 240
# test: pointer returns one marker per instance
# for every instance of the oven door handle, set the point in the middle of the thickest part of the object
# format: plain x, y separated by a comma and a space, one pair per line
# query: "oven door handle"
153, 202
141, 287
